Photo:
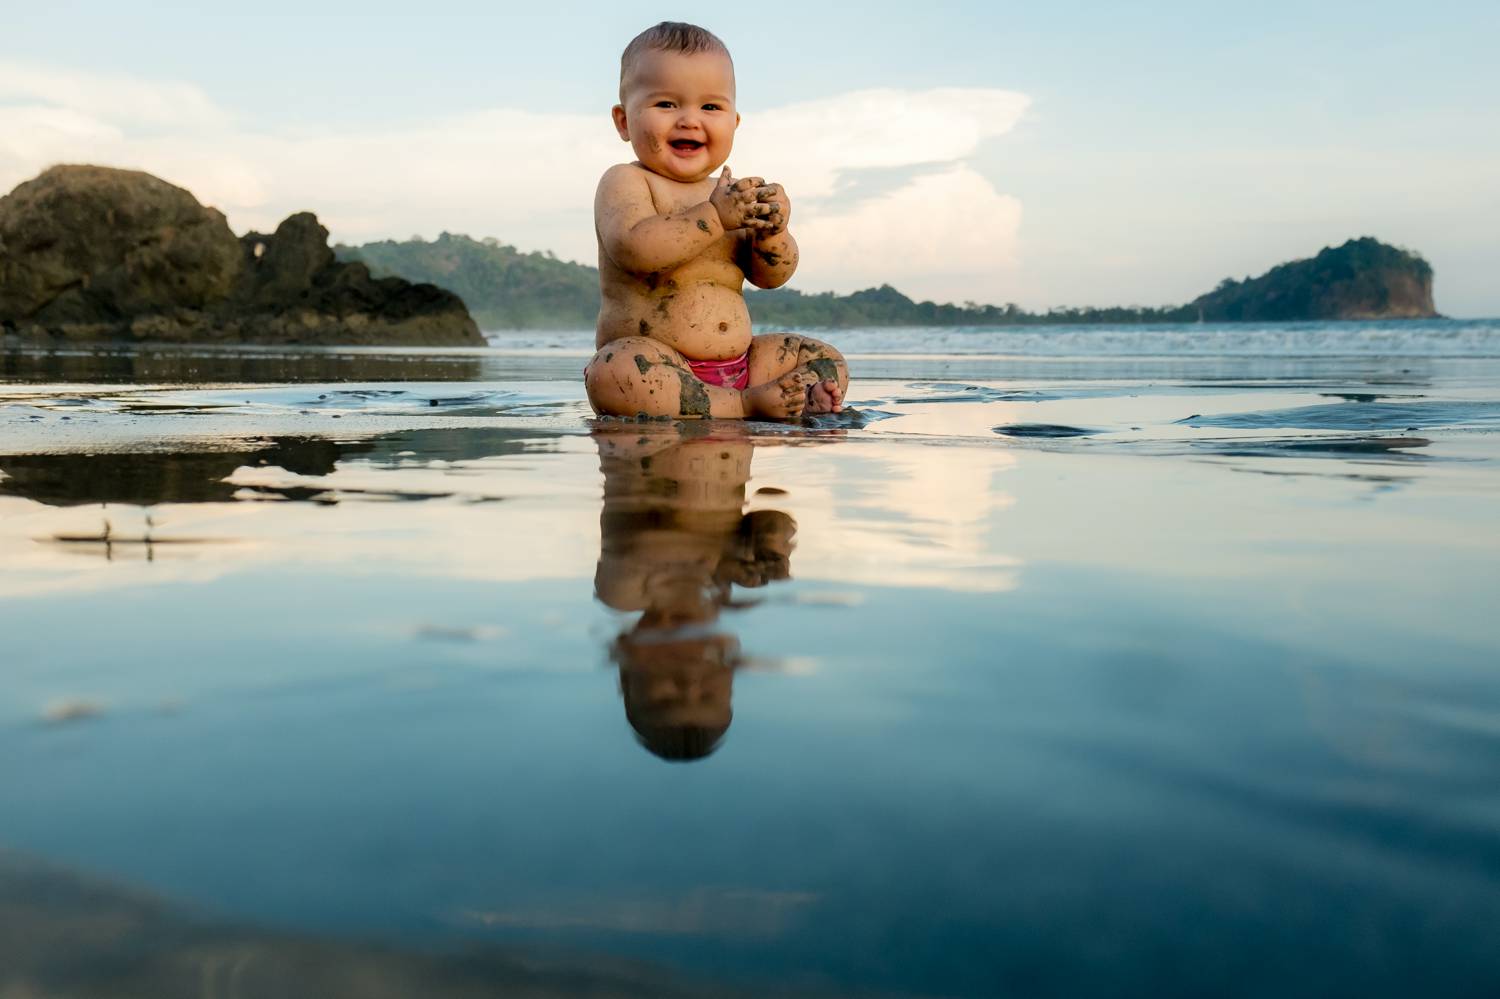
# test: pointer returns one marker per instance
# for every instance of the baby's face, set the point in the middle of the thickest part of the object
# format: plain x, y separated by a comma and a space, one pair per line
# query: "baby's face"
678, 113
682, 682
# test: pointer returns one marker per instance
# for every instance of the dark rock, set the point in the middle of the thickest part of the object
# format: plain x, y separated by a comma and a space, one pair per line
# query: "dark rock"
283, 267
93, 253
90, 246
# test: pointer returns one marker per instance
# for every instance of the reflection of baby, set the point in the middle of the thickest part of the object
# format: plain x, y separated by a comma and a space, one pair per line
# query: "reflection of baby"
674, 540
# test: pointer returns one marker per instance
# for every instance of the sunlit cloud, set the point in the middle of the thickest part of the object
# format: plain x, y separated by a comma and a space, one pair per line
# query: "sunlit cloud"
935, 236
528, 178
122, 99
808, 146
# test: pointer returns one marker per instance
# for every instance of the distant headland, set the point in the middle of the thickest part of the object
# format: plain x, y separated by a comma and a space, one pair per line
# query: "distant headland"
507, 289
92, 253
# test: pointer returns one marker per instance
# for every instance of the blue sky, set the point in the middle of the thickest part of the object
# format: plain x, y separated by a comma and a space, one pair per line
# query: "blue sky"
1065, 153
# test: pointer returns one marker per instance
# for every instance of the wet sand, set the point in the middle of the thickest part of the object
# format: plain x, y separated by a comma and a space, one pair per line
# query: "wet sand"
1044, 676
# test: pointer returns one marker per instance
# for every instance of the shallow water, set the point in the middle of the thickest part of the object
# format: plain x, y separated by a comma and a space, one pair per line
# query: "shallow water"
1132, 671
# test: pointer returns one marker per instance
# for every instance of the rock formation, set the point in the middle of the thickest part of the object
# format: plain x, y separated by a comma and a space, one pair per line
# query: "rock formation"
1362, 279
94, 253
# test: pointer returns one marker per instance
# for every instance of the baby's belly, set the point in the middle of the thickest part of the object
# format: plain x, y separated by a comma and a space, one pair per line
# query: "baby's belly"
701, 321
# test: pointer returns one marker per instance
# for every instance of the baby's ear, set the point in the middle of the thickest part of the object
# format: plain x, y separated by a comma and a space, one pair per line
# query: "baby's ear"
618, 114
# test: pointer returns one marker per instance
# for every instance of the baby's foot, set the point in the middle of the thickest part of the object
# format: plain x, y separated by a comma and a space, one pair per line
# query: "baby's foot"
783, 399
824, 397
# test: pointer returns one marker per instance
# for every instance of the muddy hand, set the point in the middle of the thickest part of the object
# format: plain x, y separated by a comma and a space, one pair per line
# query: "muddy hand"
734, 200
773, 210
783, 399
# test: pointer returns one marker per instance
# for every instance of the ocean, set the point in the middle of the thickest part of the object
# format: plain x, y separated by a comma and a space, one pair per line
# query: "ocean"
1104, 661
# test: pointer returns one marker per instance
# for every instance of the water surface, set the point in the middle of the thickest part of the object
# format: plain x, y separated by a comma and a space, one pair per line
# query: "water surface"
1046, 672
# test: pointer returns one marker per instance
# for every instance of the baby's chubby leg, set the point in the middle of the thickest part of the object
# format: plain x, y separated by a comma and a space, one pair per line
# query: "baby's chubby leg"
637, 375
773, 355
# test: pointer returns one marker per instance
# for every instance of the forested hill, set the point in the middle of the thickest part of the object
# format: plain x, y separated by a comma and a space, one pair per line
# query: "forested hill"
1363, 279
507, 289
504, 288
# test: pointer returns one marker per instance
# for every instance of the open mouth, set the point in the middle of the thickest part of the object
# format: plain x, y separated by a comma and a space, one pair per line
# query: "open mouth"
686, 145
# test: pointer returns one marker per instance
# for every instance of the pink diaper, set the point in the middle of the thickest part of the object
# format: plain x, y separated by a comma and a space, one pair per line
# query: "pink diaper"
733, 373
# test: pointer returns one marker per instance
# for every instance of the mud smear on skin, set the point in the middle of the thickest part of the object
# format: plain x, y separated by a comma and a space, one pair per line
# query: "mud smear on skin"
693, 400
788, 347
694, 395
769, 257
825, 369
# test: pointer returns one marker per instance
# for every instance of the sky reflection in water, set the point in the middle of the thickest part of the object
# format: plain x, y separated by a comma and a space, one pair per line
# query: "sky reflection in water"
1166, 707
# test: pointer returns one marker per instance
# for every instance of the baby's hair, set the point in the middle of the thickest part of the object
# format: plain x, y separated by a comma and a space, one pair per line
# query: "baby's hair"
669, 36
678, 743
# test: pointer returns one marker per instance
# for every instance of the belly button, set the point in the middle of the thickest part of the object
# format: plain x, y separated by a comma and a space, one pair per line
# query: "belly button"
723, 327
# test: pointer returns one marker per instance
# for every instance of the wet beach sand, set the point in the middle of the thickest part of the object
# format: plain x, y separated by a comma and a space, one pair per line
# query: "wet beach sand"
1057, 666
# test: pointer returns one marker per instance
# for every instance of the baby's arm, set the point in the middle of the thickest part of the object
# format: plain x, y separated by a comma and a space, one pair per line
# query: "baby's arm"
770, 252
644, 242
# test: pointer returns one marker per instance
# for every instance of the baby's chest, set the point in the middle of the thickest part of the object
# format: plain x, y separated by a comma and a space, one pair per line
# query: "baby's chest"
671, 199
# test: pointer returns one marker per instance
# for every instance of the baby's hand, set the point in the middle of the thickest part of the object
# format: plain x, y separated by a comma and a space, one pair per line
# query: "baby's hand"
749, 203
776, 210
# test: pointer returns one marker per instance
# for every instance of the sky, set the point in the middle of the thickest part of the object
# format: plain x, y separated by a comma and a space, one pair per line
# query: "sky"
1045, 154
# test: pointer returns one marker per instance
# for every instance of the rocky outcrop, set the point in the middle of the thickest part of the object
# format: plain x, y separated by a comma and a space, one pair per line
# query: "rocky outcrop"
1362, 279
94, 253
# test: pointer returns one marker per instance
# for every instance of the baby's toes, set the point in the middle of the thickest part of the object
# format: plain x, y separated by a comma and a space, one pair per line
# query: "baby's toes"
823, 397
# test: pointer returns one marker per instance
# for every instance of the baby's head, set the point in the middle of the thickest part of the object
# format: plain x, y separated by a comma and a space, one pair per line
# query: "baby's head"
677, 690
677, 107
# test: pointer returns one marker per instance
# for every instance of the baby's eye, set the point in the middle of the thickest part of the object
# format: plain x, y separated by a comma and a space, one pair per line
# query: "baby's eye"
712, 107
665, 104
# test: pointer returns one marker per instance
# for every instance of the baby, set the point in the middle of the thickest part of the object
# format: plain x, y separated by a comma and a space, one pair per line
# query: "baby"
678, 237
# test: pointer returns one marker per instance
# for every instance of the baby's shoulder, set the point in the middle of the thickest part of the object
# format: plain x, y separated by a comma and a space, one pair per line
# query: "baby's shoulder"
625, 177
624, 171
623, 184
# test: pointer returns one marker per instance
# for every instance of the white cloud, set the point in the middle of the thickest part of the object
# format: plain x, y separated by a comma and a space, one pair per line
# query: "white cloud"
126, 100
807, 146
937, 236
528, 178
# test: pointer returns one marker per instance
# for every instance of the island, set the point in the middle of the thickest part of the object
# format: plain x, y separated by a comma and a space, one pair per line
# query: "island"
508, 289
91, 253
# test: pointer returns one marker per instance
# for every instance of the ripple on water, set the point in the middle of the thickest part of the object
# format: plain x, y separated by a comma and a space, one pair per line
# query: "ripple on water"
1358, 415
1044, 430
